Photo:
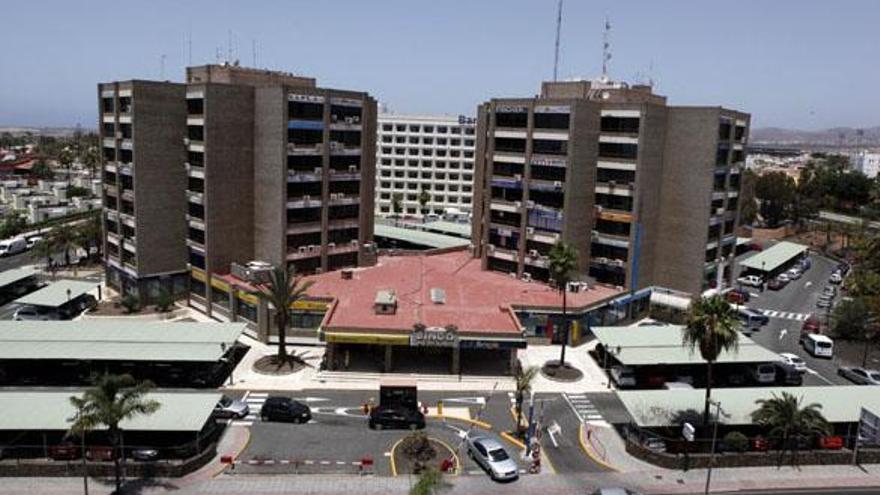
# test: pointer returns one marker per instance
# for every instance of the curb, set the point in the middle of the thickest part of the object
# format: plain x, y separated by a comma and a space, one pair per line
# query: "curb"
458, 467
587, 450
394, 464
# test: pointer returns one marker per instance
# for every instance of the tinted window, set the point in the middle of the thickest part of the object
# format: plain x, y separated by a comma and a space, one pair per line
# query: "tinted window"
498, 455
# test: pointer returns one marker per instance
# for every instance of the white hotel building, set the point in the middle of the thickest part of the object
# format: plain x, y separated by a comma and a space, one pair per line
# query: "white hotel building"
416, 153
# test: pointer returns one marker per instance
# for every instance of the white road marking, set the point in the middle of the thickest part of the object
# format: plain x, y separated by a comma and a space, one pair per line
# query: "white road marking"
808, 284
816, 373
782, 333
477, 401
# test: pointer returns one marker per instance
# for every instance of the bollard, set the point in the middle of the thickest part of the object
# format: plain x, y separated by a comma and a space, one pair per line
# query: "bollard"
366, 466
439, 408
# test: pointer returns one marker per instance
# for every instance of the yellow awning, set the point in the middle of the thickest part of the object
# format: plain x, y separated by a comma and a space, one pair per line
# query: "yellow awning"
366, 338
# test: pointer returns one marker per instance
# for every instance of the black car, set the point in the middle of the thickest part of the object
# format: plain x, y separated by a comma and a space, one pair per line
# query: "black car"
391, 417
285, 409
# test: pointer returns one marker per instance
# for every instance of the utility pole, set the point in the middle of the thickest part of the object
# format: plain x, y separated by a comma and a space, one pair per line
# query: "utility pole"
714, 438
558, 30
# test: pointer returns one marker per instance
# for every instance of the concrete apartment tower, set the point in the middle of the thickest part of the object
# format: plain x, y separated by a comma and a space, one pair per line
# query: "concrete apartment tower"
647, 193
269, 167
142, 124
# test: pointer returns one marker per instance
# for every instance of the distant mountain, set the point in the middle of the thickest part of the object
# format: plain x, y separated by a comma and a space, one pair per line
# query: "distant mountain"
835, 136
43, 131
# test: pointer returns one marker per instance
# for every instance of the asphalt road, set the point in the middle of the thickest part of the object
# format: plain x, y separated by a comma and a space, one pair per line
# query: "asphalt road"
790, 305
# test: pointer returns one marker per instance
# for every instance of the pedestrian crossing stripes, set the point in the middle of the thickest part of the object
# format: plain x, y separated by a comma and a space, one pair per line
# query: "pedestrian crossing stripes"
583, 407
255, 401
772, 313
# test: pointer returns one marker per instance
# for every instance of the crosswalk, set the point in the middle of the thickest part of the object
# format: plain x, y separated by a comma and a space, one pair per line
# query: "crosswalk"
773, 313
583, 406
254, 401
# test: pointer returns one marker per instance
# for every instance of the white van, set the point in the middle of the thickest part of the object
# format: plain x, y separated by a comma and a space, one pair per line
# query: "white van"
819, 345
764, 373
13, 246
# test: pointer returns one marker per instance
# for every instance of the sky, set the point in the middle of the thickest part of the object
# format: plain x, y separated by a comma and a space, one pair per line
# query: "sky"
803, 64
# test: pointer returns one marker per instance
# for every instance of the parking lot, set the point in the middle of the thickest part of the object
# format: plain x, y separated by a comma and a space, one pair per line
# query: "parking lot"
787, 309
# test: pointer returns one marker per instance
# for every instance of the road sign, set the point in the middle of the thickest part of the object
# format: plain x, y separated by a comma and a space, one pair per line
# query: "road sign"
687, 431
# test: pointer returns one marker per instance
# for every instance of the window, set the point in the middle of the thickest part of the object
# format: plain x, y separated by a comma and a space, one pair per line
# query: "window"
413, 128
386, 139
428, 129
469, 142
455, 130
413, 140
551, 120
510, 145
401, 128
628, 125
387, 127
399, 139
549, 147
626, 151
455, 142
506, 119
724, 129
442, 129
428, 140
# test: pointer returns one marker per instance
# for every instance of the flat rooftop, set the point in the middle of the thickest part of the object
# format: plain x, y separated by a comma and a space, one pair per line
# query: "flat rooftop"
662, 344
15, 275
840, 404
117, 340
57, 293
773, 257
427, 239
478, 302
52, 411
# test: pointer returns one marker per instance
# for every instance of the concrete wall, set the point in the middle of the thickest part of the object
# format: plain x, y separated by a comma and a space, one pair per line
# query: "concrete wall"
270, 175
649, 194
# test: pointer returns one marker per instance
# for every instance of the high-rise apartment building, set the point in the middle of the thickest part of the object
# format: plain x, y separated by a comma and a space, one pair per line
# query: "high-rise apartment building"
142, 124
647, 193
267, 167
425, 164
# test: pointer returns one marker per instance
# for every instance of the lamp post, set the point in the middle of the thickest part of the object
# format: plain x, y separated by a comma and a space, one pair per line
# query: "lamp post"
714, 438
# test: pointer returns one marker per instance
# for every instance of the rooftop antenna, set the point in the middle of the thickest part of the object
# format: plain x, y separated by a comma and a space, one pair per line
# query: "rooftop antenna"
606, 49
558, 30
254, 52
218, 54
162, 67
189, 49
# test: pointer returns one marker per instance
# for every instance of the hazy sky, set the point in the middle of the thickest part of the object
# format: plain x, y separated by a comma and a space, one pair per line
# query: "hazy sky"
792, 63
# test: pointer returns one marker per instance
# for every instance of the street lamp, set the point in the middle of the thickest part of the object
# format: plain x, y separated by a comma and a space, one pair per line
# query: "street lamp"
717, 405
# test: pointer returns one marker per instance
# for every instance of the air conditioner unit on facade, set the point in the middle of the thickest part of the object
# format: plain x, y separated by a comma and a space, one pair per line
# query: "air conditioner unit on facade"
331, 245
517, 204
602, 260
517, 176
618, 263
490, 248
557, 183
533, 253
530, 204
307, 198
354, 242
318, 170
719, 211
352, 168
186, 141
303, 249
313, 248
119, 135
527, 277
530, 230
594, 234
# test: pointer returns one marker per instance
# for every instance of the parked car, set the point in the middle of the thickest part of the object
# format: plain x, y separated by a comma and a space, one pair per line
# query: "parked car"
776, 284
811, 325
830, 290
836, 278
64, 451
818, 345
824, 302
784, 278
763, 374
787, 374
794, 360
654, 444
231, 408
35, 313
33, 241
145, 455
491, 456
396, 418
623, 376
751, 281
737, 296
752, 318
859, 375
12, 246
277, 408
794, 273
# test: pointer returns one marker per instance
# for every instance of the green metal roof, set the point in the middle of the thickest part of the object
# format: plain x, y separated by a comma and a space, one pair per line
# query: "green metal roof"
55, 294
428, 239
453, 228
661, 344
16, 274
116, 340
45, 410
840, 404
772, 258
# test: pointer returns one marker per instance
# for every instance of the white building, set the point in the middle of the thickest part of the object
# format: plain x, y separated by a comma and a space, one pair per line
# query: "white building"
867, 162
416, 153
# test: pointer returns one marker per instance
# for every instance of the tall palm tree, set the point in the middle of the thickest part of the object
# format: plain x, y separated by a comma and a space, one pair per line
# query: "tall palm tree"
282, 290
89, 234
563, 262
111, 400
785, 418
63, 239
524, 379
711, 326
424, 198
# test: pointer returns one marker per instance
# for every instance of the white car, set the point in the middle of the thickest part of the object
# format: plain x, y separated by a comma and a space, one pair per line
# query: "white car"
491, 456
623, 376
751, 281
836, 278
794, 361
784, 278
794, 274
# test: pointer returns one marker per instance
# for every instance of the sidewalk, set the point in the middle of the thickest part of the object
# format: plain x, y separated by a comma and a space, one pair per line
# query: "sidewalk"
594, 379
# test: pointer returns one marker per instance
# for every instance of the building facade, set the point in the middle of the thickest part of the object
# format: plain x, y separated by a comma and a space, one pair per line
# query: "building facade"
647, 193
425, 164
269, 167
142, 124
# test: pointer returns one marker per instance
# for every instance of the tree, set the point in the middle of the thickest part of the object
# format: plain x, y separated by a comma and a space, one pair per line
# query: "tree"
44, 250
748, 210
711, 326
417, 449
282, 291
397, 203
524, 379
89, 235
13, 224
563, 262
785, 418
164, 301
131, 303
65, 158
111, 400
64, 239
424, 197
430, 482
776, 192
42, 170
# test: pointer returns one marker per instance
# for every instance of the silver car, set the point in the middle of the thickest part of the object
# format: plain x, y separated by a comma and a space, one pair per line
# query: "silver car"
491, 456
860, 376
231, 408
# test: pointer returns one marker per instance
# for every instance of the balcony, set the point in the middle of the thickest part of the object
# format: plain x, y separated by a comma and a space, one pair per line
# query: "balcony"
297, 176
128, 194
304, 202
347, 247
544, 219
195, 244
303, 228
304, 252
543, 237
130, 244
112, 214
610, 239
110, 167
615, 188
547, 185
125, 169
195, 171
195, 222
503, 254
338, 148
344, 223
337, 199
113, 238
534, 258
111, 190
109, 142
351, 174
305, 149
504, 205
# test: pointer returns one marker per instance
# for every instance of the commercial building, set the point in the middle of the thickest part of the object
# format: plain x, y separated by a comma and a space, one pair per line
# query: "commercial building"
646, 192
430, 154
262, 165
866, 162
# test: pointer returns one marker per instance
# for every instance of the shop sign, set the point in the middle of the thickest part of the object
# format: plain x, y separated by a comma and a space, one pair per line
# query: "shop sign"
549, 162
434, 337
493, 345
365, 338
306, 98
309, 305
552, 109
510, 109
465, 120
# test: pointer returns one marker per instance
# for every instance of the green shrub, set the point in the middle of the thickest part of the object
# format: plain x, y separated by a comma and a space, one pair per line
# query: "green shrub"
736, 441
131, 303
164, 301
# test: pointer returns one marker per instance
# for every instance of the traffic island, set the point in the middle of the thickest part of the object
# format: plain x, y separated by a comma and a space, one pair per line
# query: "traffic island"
277, 365
416, 452
561, 372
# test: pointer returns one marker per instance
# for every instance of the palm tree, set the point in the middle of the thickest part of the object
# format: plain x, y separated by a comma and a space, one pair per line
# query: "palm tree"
282, 291
111, 400
711, 326
44, 250
786, 419
397, 203
88, 234
524, 379
563, 261
63, 239
424, 197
